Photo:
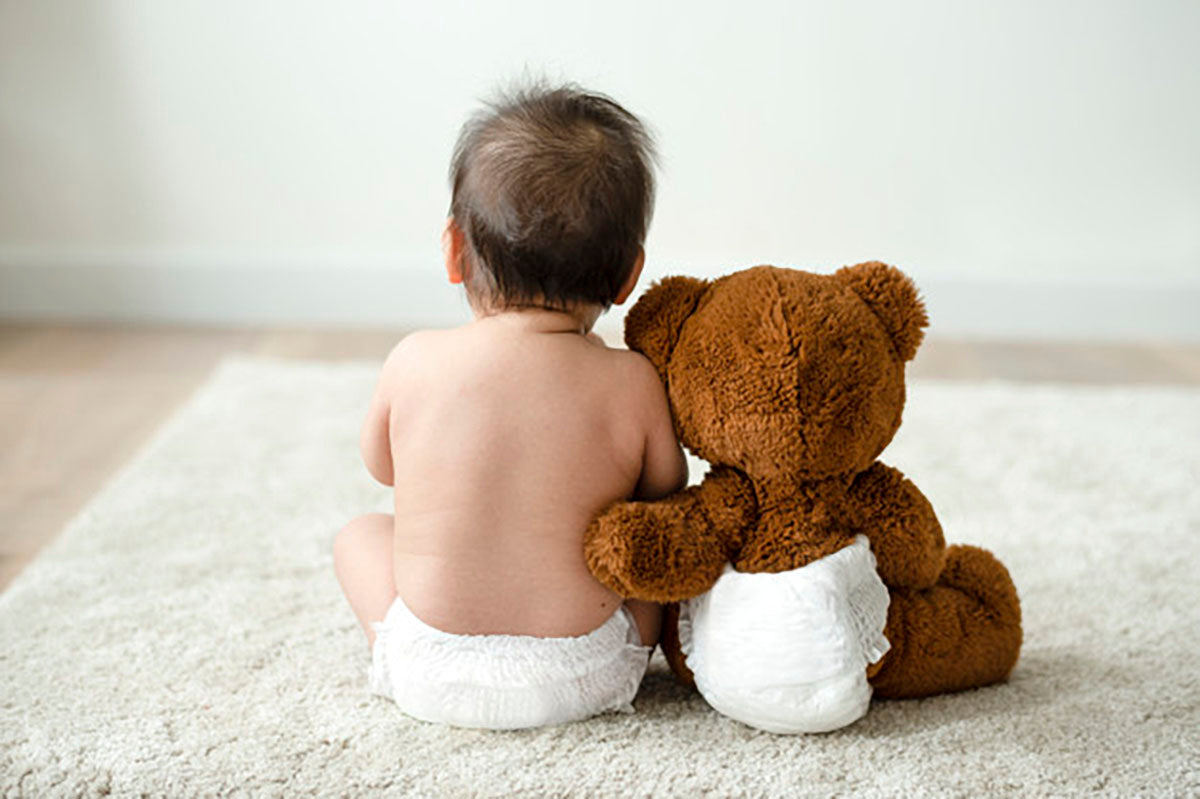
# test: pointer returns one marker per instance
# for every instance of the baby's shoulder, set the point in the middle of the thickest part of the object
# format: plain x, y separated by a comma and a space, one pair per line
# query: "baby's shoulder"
634, 366
637, 379
411, 353
415, 346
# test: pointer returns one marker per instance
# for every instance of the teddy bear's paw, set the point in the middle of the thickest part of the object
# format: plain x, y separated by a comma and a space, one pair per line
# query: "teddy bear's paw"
979, 574
627, 545
653, 550
607, 550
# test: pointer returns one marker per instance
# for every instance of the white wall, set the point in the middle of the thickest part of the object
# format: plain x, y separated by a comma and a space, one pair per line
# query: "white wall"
1034, 165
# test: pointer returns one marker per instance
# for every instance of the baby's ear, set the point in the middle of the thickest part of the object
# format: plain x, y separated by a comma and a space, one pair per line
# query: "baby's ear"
652, 325
892, 297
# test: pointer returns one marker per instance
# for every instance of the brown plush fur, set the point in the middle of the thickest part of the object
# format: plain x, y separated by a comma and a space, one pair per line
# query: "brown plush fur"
791, 384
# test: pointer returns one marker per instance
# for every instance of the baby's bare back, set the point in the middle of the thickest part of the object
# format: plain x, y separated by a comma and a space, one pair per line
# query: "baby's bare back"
505, 441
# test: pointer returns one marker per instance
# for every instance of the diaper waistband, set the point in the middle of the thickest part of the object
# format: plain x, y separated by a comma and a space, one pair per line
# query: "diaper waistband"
506, 659
849, 563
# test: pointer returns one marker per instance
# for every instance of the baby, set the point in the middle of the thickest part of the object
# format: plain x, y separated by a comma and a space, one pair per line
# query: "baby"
504, 437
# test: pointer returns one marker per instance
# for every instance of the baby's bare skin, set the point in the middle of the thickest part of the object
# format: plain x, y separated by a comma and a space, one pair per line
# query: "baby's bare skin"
503, 438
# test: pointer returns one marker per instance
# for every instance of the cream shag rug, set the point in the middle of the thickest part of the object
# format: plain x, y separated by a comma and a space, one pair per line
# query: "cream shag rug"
186, 635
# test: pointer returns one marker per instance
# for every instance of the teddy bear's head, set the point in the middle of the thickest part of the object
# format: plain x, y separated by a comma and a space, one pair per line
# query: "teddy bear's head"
781, 372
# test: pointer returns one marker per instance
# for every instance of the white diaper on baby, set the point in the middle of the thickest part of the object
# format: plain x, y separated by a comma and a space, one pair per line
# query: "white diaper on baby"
506, 681
787, 652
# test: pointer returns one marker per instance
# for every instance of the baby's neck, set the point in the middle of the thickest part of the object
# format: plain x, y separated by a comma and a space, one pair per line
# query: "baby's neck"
536, 319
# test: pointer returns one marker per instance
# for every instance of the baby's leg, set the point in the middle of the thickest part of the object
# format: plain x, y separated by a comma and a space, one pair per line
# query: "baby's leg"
648, 616
362, 558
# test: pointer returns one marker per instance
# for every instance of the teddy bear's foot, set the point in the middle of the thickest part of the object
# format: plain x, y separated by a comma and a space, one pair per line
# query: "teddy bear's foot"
964, 632
671, 649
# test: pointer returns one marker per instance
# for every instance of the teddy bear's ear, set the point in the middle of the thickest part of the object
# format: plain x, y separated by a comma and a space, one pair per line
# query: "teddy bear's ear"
892, 296
652, 325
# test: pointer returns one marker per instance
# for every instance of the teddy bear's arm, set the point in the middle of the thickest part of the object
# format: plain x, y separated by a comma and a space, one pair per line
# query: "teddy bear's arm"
904, 532
673, 548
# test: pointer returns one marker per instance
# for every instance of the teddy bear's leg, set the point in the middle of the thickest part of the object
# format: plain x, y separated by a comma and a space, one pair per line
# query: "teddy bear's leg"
963, 632
670, 646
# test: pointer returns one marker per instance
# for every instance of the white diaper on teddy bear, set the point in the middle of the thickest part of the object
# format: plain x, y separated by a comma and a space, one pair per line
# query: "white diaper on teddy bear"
787, 652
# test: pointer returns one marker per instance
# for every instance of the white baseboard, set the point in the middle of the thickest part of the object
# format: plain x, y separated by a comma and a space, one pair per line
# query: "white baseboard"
230, 290
378, 292
1063, 310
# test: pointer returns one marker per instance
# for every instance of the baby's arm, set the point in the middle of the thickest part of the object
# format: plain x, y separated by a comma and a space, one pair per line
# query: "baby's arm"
668, 544
375, 440
664, 467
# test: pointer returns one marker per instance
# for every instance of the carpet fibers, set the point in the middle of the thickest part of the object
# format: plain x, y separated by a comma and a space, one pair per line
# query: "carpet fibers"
185, 634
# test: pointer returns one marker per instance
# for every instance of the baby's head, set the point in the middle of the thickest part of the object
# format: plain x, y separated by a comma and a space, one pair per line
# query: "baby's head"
552, 192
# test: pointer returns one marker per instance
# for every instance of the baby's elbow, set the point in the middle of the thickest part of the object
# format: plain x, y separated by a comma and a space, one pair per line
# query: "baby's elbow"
662, 482
681, 471
379, 465
382, 474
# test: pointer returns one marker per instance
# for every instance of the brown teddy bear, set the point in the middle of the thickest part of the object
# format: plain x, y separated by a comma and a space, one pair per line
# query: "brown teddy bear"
791, 384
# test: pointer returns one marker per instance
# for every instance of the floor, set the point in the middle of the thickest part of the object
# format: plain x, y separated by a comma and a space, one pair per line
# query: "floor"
76, 401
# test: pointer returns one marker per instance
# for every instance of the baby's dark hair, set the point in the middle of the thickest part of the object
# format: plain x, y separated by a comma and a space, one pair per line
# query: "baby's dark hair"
554, 190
